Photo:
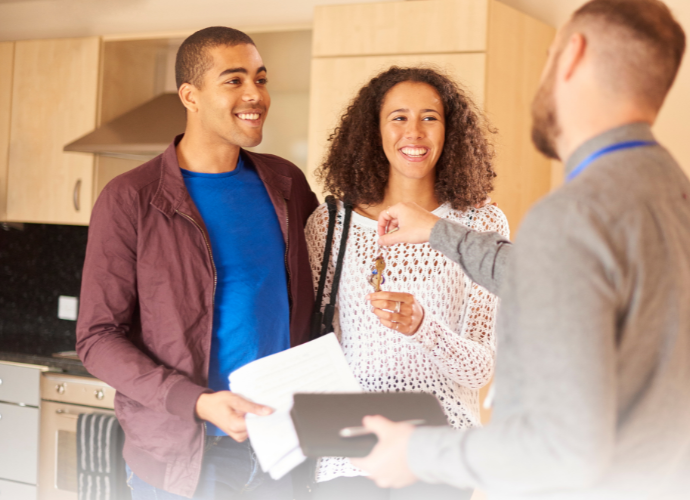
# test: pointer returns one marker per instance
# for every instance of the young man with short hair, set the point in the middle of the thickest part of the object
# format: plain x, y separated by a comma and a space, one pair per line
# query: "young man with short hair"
196, 265
593, 370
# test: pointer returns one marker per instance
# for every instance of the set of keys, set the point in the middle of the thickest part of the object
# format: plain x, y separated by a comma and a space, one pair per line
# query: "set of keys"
376, 278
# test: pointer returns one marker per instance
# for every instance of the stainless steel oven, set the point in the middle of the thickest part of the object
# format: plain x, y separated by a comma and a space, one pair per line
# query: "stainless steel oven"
63, 398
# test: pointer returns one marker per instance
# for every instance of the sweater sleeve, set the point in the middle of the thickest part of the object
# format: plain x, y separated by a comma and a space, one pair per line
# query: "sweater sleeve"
482, 255
554, 421
467, 356
315, 233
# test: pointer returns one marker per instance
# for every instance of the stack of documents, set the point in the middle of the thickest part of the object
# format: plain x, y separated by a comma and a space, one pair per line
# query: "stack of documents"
318, 366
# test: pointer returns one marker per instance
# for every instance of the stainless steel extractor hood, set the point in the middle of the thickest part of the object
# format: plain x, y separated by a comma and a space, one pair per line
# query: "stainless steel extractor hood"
141, 133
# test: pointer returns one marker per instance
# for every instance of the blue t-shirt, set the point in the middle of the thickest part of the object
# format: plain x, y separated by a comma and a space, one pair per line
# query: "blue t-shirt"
251, 316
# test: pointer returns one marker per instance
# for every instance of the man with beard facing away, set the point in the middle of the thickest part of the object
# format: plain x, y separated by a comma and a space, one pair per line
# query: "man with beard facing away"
593, 370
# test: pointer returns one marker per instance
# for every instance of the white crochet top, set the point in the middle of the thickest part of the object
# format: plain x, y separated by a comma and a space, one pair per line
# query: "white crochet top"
452, 353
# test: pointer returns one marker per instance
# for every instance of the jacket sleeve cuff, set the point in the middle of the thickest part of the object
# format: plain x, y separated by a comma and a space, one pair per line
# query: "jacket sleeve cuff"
434, 455
182, 397
421, 453
446, 236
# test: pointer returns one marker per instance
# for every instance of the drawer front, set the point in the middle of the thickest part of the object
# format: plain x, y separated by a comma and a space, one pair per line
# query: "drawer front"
16, 491
19, 384
85, 391
19, 433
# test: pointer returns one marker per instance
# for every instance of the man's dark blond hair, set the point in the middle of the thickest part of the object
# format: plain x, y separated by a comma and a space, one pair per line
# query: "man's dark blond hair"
638, 46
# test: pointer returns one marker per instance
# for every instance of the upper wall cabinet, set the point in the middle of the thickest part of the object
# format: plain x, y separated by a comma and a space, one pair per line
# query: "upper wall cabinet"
6, 65
54, 101
53, 92
495, 52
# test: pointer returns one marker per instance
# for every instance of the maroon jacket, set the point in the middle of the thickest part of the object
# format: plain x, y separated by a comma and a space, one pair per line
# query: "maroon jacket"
147, 305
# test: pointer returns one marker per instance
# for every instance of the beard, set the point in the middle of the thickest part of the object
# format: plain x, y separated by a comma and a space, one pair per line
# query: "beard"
545, 125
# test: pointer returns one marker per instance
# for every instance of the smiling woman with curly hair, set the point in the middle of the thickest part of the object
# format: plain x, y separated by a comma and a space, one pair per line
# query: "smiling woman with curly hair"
357, 168
410, 135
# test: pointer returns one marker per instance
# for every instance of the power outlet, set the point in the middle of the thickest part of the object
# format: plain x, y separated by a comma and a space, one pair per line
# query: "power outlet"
68, 307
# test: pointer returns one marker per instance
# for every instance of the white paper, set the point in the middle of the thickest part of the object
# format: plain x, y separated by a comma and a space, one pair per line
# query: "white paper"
318, 366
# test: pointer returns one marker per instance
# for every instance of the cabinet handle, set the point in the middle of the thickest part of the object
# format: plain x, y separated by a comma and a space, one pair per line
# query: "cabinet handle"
99, 394
76, 194
60, 388
66, 414
0, 381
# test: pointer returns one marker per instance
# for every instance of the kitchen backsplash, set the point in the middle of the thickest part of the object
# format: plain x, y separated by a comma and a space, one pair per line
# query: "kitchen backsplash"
37, 265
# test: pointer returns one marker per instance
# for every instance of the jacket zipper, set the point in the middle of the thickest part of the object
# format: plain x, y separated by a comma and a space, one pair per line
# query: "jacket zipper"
287, 247
210, 254
213, 297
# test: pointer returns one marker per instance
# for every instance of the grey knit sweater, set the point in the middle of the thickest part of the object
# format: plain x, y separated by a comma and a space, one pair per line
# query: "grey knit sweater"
593, 369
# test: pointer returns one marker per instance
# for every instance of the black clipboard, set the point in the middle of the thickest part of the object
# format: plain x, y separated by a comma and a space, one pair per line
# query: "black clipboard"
319, 418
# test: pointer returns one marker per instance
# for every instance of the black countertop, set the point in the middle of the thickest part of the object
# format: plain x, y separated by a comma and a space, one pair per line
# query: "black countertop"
59, 364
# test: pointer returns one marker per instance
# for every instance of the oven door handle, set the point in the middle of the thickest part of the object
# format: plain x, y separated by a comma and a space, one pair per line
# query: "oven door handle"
66, 414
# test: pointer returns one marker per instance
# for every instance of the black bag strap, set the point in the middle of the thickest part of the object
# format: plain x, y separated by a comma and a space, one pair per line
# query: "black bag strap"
323, 322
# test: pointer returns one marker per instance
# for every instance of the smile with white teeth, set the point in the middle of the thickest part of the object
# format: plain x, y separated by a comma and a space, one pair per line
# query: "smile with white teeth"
249, 116
414, 151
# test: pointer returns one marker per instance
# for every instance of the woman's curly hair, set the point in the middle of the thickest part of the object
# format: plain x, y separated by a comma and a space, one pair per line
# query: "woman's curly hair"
356, 168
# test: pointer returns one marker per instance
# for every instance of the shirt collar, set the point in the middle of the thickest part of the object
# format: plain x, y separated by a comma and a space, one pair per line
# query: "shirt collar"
630, 132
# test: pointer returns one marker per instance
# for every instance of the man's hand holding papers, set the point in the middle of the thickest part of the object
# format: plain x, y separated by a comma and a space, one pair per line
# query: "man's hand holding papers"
227, 411
318, 366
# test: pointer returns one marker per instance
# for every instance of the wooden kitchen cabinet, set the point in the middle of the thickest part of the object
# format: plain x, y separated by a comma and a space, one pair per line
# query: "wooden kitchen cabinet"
51, 93
494, 51
55, 89
6, 66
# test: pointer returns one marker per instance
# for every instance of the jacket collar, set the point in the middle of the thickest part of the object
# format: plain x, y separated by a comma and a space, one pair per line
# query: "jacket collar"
282, 184
172, 193
629, 132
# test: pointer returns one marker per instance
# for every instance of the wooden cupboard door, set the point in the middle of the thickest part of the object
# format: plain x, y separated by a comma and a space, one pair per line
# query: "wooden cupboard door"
54, 102
6, 63
434, 26
336, 80
517, 52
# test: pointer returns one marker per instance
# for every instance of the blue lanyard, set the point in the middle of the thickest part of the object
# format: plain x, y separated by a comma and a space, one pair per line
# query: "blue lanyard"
609, 149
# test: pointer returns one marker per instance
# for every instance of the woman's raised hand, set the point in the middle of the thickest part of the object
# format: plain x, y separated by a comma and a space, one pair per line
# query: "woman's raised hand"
398, 311
405, 223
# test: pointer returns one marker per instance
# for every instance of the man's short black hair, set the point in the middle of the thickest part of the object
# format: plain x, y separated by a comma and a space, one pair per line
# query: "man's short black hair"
192, 58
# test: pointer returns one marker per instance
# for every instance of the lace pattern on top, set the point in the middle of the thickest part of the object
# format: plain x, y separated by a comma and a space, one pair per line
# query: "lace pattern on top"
452, 353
